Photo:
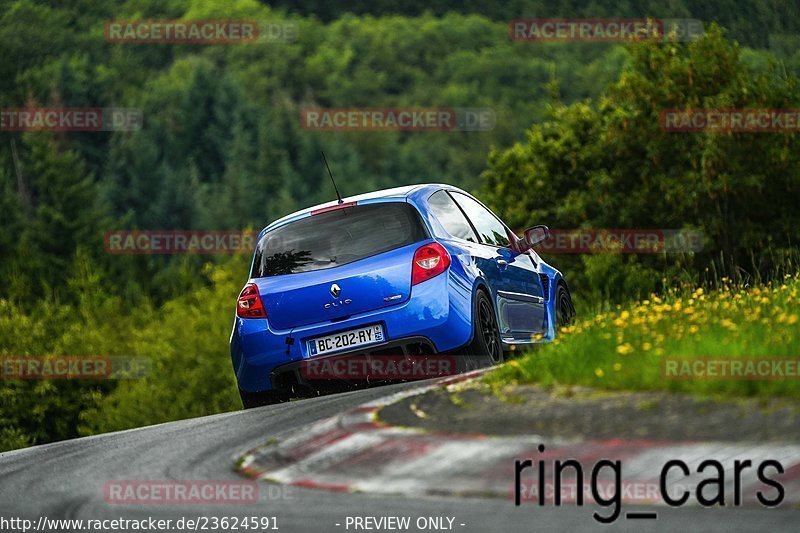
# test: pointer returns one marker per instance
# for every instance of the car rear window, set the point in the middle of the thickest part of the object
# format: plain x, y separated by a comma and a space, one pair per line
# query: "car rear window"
337, 238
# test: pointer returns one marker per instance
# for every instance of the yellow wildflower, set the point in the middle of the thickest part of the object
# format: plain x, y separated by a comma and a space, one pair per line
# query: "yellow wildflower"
624, 349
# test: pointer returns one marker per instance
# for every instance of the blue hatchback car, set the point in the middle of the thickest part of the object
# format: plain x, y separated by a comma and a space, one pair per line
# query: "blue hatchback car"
424, 269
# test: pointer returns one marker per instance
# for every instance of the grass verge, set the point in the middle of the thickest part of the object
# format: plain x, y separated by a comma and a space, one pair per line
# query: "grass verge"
630, 347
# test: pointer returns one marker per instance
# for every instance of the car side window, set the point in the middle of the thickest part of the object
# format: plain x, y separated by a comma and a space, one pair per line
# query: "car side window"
490, 229
451, 217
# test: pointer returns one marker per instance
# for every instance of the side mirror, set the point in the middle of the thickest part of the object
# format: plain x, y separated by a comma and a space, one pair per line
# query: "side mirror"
536, 235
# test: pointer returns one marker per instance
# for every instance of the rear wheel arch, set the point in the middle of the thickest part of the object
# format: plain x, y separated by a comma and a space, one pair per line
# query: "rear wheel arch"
481, 286
475, 346
563, 306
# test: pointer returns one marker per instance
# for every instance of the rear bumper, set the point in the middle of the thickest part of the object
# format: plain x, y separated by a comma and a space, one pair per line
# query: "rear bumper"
438, 313
290, 376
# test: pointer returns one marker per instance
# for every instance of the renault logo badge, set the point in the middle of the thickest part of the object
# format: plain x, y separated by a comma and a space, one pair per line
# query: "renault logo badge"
335, 290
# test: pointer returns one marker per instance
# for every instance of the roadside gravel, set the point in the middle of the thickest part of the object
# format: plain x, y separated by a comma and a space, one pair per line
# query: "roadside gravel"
579, 412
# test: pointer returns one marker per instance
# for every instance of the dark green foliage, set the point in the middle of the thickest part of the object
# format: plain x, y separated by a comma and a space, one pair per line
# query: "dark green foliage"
750, 22
609, 164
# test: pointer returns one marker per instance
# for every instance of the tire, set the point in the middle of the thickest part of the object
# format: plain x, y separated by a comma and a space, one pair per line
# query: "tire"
485, 333
565, 311
261, 398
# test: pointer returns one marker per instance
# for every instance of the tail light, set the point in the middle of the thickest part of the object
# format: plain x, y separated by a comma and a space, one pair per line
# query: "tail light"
429, 261
249, 304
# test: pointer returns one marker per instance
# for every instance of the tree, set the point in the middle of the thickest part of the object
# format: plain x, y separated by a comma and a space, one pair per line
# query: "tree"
610, 164
64, 213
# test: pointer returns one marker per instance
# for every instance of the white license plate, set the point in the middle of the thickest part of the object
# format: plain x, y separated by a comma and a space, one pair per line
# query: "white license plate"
346, 340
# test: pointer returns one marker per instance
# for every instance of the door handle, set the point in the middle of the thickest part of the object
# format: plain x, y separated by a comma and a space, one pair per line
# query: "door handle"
502, 263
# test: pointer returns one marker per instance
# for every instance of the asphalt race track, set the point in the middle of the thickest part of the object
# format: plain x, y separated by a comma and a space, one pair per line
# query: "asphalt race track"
66, 480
